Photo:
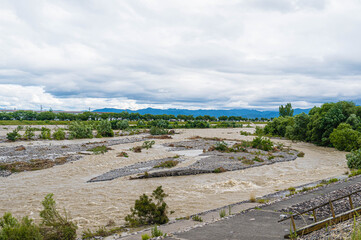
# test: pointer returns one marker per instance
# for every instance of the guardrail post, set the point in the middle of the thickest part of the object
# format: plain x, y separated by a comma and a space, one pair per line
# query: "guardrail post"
351, 204
314, 215
333, 212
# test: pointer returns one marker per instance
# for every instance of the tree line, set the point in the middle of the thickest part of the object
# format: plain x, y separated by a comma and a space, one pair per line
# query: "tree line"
333, 125
86, 116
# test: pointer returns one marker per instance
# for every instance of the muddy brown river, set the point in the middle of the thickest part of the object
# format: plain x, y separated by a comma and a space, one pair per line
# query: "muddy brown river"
94, 204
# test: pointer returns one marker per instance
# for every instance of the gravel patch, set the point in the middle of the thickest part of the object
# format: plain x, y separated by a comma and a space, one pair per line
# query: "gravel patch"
137, 168
227, 161
73, 152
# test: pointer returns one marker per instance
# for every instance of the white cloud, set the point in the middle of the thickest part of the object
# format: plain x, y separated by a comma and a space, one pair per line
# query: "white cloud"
207, 54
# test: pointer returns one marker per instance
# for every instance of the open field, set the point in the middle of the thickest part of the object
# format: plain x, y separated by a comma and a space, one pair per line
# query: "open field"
94, 204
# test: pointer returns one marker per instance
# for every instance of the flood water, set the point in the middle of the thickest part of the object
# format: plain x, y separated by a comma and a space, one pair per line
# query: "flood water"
94, 204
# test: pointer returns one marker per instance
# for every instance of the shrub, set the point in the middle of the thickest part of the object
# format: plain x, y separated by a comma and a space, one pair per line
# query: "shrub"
104, 129
122, 154
29, 133
148, 144
159, 123
99, 149
54, 226
137, 149
197, 218
158, 131
219, 170
124, 124
145, 236
248, 161
80, 130
354, 159
355, 173
59, 134
221, 146
141, 124
13, 136
222, 213
12, 229
156, 232
258, 159
245, 133
301, 154
45, 133
262, 143
167, 164
149, 210
259, 131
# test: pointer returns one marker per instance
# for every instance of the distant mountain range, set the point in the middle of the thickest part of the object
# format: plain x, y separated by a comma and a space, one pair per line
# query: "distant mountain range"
246, 113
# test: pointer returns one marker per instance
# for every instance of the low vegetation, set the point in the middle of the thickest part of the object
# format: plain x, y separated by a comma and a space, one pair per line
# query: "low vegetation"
100, 232
158, 131
32, 165
219, 170
354, 159
13, 229
80, 130
197, 218
104, 129
167, 164
122, 154
149, 210
145, 145
54, 226
148, 144
100, 149
45, 133
222, 213
59, 134
13, 136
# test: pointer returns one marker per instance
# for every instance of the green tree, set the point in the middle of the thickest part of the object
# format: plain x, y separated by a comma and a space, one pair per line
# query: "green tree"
49, 115
149, 210
286, 111
344, 138
298, 131
54, 225
354, 159
104, 129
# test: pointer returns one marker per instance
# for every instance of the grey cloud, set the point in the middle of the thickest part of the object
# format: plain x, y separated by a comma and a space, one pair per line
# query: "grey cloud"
172, 53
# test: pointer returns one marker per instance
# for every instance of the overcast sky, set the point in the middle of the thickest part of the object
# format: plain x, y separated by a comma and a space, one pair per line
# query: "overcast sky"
211, 54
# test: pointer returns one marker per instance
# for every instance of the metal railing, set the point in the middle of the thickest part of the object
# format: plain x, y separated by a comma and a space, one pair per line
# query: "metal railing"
330, 203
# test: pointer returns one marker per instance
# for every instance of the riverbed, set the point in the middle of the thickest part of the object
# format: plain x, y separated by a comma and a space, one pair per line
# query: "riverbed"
94, 204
